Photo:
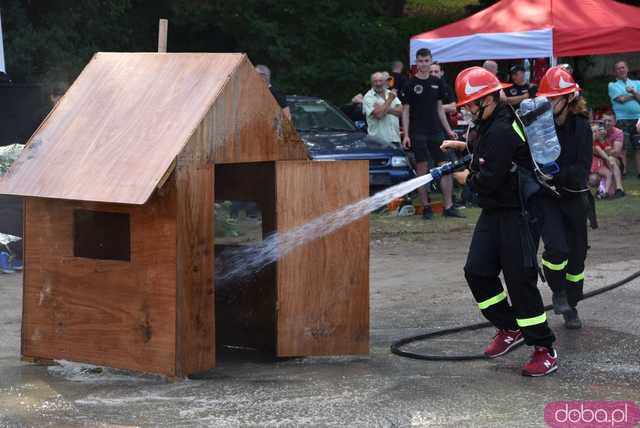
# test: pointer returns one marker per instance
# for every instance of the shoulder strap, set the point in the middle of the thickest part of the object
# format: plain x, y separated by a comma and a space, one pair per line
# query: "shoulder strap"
518, 130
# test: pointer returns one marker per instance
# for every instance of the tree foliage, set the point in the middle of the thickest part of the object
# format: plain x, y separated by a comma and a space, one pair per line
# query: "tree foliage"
326, 48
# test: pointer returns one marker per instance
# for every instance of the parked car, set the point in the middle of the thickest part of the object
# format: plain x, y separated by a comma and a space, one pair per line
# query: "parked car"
329, 135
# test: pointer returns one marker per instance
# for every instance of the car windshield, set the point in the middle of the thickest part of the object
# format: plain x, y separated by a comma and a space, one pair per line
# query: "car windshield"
318, 115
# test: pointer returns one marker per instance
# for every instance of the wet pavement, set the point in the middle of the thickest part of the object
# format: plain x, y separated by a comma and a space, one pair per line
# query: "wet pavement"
414, 287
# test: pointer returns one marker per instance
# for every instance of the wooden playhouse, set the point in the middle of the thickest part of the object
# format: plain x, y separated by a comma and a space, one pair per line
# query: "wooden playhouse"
119, 184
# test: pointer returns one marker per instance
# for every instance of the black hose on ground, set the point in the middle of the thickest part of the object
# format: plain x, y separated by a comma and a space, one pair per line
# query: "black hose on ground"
397, 345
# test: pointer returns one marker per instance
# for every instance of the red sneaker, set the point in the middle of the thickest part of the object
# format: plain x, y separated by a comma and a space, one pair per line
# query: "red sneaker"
503, 342
543, 361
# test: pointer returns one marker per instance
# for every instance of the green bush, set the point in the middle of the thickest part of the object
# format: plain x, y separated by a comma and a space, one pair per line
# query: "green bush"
225, 224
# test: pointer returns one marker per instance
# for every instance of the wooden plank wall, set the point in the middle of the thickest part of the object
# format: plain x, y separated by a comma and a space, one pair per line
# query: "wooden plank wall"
114, 313
195, 342
323, 286
246, 124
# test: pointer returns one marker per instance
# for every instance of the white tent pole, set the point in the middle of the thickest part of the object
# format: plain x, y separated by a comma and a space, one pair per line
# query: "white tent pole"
553, 61
2, 68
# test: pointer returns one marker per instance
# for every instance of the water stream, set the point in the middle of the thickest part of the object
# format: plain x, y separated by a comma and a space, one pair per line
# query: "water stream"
244, 261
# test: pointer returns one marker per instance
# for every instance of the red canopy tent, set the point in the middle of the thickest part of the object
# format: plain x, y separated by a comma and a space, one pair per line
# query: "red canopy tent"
535, 29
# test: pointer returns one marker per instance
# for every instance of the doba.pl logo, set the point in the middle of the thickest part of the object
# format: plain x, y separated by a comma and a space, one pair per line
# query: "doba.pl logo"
592, 414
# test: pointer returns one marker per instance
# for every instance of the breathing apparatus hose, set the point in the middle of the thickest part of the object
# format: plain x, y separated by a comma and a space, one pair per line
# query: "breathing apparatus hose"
396, 347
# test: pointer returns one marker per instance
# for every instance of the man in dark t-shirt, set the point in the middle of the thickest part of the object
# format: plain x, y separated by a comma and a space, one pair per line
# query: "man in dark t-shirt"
521, 90
424, 120
281, 99
449, 98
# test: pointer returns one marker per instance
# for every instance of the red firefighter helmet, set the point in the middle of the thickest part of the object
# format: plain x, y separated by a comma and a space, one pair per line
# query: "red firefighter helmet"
557, 81
474, 83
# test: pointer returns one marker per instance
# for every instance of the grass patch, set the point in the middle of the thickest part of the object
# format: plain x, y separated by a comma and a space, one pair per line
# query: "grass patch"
414, 228
628, 206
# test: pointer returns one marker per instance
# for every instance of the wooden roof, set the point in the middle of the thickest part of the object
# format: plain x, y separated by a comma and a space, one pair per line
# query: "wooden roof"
120, 126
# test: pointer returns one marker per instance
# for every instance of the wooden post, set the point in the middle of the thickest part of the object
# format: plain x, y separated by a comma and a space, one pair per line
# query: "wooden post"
162, 35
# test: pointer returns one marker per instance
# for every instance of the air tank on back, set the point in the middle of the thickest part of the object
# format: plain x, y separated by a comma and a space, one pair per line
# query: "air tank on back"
537, 116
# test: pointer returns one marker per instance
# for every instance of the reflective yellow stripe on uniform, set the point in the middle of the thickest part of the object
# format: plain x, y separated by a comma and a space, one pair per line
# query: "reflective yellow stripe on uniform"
492, 301
575, 278
555, 266
516, 128
527, 322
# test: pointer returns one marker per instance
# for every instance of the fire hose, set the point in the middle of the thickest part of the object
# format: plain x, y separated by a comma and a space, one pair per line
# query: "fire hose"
396, 347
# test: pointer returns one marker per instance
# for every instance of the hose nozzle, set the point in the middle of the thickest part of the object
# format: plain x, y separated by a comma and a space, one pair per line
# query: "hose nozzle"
450, 167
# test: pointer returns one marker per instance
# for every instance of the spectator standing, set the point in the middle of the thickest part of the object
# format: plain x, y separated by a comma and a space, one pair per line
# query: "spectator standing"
423, 119
491, 67
449, 98
265, 74
451, 110
625, 100
399, 79
521, 90
382, 109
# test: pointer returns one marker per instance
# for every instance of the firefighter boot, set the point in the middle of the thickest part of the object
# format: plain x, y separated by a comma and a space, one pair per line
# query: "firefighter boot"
560, 302
572, 320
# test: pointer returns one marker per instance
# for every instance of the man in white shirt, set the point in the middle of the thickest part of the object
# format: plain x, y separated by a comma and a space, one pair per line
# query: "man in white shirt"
382, 108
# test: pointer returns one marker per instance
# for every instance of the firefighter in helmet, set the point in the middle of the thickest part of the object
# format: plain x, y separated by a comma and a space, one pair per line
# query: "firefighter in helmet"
501, 240
563, 220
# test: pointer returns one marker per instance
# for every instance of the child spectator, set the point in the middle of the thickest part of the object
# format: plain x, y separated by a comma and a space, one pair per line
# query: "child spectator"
605, 172
615, 141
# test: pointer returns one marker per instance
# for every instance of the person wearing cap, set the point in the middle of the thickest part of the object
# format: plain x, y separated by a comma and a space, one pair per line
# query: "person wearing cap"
521, 90
502, 241
563, 221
